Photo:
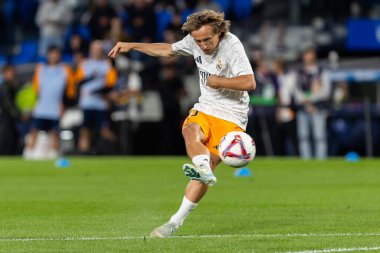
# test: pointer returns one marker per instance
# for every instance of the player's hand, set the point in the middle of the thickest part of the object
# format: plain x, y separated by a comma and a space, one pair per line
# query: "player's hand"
120, 47
212, 81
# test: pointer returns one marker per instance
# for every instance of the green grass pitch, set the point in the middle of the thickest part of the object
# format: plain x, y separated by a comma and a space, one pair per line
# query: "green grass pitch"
110, 204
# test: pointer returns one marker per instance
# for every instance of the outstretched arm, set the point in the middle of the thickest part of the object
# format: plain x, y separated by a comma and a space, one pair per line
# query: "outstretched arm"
243, 82
152, 49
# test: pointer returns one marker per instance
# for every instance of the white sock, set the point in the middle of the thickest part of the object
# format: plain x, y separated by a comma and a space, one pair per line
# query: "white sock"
202, 161
186, 207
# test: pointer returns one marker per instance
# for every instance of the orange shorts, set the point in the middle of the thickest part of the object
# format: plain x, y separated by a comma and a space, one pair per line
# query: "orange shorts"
213, 128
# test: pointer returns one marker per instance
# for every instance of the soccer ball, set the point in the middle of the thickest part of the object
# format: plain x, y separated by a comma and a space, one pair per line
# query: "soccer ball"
237, 149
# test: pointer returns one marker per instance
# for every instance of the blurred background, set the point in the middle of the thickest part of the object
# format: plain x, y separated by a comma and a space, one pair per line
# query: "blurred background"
316, 64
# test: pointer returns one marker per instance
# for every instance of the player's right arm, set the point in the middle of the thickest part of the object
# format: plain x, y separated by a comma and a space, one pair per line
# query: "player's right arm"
152, 49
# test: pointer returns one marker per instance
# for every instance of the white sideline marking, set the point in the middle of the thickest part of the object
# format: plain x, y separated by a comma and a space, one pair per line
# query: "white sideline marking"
193, 236
338, 250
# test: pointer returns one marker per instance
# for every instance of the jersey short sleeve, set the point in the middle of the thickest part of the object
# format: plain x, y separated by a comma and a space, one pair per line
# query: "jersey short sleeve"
184, 46
240, 64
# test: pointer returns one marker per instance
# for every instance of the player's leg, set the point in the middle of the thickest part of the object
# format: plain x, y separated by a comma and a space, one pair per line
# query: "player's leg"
54, 144
194, 192
31, 142
197, 151
28, 152
194, 140
303, 134
84, 139
102, 123
197, 134
54, 139
195, 189
318, 125
84, 132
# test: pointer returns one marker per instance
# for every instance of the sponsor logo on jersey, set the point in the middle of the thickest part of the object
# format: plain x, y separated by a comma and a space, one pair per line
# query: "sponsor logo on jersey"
203, 76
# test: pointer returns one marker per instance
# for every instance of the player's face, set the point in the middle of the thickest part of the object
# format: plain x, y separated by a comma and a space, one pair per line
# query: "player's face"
309, 57
54, 56
206, 39
96, 50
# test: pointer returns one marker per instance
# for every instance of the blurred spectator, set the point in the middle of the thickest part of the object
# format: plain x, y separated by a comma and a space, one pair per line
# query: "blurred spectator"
75, 50
25, 100
340, 94
127, 98
96, 77
171, 90
285, 114
241, 9
7, 13
264, 100
176, 22
141, 21
207, 4
9, 114
53, 18
115, 34
312, 98
101, 15
51, 82
26, 11
275, 14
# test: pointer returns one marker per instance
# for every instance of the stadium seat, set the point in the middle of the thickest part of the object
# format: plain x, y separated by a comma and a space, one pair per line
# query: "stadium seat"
163, 18
242, 9
26, 10
83, 31
8, 10
185, 13
27, 54
225, 4
3, 60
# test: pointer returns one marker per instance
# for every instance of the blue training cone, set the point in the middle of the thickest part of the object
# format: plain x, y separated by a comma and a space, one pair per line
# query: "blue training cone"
62, 163
243, 172
352, 156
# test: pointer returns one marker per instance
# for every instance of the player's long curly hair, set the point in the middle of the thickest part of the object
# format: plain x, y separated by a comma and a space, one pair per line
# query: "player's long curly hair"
207, 17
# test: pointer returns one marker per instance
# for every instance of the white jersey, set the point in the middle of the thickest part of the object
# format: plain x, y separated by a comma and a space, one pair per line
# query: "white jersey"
229, 60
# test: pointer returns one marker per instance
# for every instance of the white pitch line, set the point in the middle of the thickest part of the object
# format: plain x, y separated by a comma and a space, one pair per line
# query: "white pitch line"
337, 250
280, 235
191, 237
71, 239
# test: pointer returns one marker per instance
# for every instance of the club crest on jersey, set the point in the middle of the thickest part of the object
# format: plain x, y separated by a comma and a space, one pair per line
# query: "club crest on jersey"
219, 65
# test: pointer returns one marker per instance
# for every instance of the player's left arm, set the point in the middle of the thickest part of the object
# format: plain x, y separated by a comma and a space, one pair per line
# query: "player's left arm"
242, 79
242, 83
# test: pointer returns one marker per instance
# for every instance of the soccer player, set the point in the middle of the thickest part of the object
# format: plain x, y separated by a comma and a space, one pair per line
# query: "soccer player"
96, 77
51, 82
225, 77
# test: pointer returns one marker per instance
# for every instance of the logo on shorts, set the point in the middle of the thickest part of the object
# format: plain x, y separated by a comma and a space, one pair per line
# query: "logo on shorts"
219, 65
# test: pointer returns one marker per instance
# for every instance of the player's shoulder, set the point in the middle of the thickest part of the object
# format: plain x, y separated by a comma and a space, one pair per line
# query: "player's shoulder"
189, 40
231, 39
232, 42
